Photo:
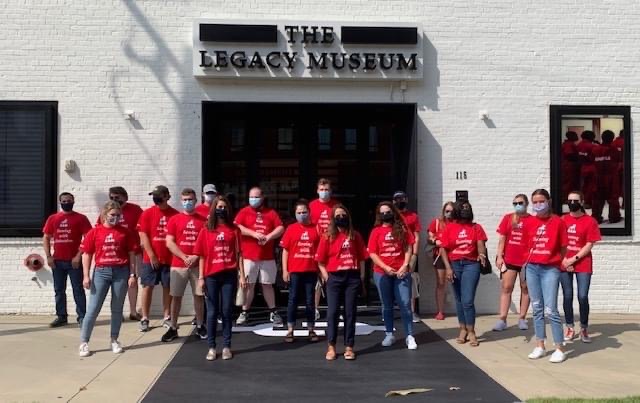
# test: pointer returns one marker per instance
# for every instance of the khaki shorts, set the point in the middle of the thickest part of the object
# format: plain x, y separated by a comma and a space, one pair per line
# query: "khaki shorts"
179, 279
266, 270
415, 285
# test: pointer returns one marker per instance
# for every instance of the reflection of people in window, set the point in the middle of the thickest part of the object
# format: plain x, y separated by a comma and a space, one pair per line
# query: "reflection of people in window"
570, 166
606, 161
618, 144
587, 168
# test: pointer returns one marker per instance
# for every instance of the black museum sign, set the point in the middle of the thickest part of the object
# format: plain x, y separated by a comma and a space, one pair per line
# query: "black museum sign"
307, 50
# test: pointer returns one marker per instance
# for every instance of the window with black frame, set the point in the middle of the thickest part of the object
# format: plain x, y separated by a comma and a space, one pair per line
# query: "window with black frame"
590, 153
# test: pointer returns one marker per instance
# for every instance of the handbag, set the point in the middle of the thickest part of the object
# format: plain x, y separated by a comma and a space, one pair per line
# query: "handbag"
486, 268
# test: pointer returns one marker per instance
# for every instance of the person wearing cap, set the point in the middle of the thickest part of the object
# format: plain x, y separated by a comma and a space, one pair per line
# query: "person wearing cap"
260, 226
209, 192
129, 215
64, 231
412, 221
156, 260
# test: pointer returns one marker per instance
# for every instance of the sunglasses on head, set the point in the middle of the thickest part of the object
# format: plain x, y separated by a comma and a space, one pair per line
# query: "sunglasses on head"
518, 203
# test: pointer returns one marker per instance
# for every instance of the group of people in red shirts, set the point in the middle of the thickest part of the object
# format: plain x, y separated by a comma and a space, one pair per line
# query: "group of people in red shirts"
223, 255
596, 168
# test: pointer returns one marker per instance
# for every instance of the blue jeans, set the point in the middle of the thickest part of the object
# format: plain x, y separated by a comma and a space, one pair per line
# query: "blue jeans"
465, 284
115, 278
220, 292
307, 281
543, 282
62, 270
584, 282
393, 289
342, 286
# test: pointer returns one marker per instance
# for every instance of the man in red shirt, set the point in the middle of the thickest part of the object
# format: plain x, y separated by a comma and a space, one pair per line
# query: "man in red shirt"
606, 162
587, 167
64, 231
412, 221
209, 192
320, 212
130, 214
260, 226
618, 145
156, 260
569, 165
182, 232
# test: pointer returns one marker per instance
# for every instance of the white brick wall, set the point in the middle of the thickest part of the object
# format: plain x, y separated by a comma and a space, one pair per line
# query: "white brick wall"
99, 58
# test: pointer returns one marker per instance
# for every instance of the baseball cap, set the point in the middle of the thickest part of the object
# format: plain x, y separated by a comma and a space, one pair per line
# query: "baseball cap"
399, 193
208, 188
159, 190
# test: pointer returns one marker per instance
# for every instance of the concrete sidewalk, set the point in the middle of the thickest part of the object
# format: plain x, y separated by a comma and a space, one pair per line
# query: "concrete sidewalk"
42, 364
607, 367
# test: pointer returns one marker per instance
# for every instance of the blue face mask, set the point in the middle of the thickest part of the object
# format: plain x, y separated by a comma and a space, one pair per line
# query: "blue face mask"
541, 207
302, 217
520, 208
255, 202
188, 205
324, 194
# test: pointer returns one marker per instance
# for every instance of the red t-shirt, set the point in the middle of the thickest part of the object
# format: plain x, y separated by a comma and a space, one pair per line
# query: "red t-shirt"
263, 221
461, 240
515, 246
545, 238
585, 153
581, 230
341, 253
218, 248
110, 246
301, 242
388, 249
412, 221
203, 209
185, 229
606, 159
321, 213
66, 231
153, 222
129, 217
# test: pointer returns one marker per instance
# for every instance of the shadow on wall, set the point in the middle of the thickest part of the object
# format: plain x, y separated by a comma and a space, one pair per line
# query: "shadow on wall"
431, 76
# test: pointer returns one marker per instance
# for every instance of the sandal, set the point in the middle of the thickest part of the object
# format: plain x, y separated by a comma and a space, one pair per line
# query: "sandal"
313, 337
462, 340
473, 340
289, 337
349, 354
331, 353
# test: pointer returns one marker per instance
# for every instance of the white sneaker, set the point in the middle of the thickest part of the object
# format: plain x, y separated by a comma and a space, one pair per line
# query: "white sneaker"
500, 325
537, 352
211, 354
415, 318
558, 356
83, 350
116, 347
411, 343
389, 339
317, 315
242, 318
523, 325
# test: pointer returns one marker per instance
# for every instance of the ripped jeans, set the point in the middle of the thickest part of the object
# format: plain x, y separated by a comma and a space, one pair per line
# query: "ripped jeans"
543, 282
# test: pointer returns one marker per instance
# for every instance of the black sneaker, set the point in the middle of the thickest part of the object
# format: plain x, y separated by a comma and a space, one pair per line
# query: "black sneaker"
170, 335
144, 325
59, 321
201, 332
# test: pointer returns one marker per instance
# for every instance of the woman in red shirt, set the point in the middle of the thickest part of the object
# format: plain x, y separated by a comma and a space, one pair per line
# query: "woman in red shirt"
390, 249
463, 251
511, 254
435, 230
113, 248
221, 269
340, 256
299, 269
546, 236
582, 233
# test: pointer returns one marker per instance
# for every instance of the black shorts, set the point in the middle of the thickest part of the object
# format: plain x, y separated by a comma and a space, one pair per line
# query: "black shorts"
513, 267
438, 264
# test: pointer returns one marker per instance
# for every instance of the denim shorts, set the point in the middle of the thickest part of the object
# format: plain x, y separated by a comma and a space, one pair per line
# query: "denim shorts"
150, 277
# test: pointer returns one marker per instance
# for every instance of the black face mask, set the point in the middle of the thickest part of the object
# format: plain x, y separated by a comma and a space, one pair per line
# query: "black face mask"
342, 222
66, 207
401, 205
158, 200
574, 205
465, 214
386, 217
221, 213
